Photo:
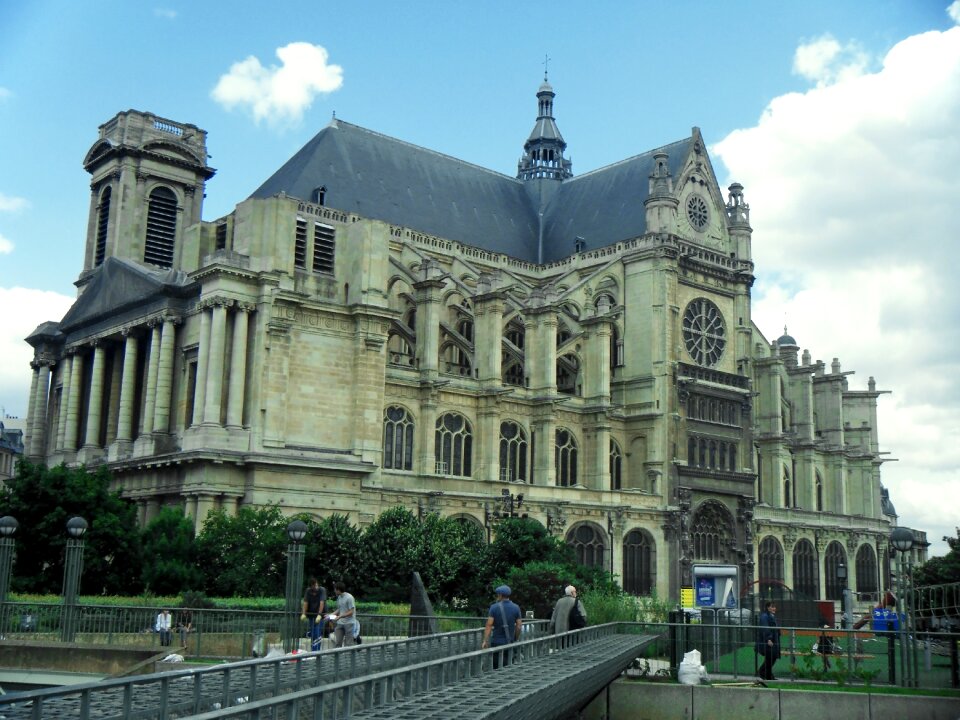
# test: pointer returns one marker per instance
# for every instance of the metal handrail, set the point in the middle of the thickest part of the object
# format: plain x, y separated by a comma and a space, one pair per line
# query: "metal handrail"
347, 697
170, 694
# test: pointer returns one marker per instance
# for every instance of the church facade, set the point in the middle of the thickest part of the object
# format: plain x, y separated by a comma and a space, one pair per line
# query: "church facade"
381, 325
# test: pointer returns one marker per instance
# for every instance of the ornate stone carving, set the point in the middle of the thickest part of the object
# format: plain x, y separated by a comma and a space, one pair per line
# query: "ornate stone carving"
556, 520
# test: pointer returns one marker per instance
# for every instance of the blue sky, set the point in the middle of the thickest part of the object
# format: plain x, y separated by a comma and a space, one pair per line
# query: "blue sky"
838, 117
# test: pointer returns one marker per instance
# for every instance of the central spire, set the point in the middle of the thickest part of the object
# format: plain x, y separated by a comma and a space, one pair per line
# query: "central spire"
543, 150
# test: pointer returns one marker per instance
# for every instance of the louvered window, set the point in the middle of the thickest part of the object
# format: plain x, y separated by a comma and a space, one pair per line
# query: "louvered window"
221, 236
323, 248
103, 224
161, 227
300, 245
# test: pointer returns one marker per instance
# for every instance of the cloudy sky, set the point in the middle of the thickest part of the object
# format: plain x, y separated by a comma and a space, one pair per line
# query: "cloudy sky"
840, 119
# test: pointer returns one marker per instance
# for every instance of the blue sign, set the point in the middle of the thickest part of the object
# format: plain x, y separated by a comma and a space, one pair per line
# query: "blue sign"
705, 591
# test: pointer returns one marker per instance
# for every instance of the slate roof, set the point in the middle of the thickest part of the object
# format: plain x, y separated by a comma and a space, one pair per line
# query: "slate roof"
383, 178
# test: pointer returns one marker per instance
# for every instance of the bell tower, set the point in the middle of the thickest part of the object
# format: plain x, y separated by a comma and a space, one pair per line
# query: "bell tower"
148, 180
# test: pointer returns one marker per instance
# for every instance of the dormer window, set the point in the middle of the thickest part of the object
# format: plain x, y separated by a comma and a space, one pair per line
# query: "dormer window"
319, 195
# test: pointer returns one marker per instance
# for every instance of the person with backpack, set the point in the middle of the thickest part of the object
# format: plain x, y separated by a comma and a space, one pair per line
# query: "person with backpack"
568, 613
504, 624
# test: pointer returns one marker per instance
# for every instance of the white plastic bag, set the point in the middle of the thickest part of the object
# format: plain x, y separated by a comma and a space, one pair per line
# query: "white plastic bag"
691, 672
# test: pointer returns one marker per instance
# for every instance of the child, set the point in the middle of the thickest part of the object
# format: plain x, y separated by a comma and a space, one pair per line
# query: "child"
825, 647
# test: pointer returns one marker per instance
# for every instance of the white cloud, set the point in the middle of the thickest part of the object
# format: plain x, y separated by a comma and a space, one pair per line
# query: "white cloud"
826, 61
9, 203
165, 13
279, 94
853, 188
32, 308
954, 11
6, 246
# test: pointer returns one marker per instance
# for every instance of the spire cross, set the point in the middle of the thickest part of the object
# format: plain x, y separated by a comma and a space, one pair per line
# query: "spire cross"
546, 66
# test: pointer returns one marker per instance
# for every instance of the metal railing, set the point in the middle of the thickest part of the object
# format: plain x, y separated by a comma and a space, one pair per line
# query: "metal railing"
183, 692
212, 633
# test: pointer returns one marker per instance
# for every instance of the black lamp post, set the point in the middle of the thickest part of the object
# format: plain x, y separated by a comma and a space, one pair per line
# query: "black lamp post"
296, 531
844, 595
901, 540
72, 570
8, 528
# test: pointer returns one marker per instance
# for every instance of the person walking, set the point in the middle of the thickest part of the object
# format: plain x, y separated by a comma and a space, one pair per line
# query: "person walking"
346, 616
163, 626
568, 613
312, 606
504, 624
768, 640
825, 646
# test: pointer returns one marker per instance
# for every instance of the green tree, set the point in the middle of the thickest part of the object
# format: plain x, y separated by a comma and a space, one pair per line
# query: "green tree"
941, 570
393, 547
518, 541
452, 552
169, 554
244, 555
43, 499
333, 551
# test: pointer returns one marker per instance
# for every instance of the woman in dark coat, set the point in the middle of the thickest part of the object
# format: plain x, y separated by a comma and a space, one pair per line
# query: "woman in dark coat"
768, 641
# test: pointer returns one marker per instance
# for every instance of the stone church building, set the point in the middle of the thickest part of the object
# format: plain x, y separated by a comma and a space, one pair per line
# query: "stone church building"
379, 324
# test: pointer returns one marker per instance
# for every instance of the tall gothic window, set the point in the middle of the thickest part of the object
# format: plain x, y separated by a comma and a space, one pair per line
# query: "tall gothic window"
398, 431
712, 532
616, 466
786, 487
161, 227
832, 559
639, 563
588, 545
565, 456
513, 452
818, 492
453, 447
103, 226
771, 566
867, 571
513, 355
806, 579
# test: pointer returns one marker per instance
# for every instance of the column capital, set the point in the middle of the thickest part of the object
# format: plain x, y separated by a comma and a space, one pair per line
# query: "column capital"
216, 301
245, 307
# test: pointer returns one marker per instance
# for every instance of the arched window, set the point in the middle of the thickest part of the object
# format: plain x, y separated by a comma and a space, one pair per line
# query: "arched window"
453, 447
832, 559
513, 452
786, 487
103, 226
161, 227
568, 375
397, 439
805, 573
712, 532
771, 566
867, 571
639, 563
616, 466
818, 491
565, 457
588, 545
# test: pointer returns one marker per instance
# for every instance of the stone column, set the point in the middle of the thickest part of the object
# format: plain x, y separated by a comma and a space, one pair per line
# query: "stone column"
128, 387
32, 407
544, 460
72, 431
161, 416
428, 320
38, 424
113, 395
66, 375
203, 352
427, 432
488, 337
214, 384
599, 476
204, 504
489, 446
95, 405
238, 366
153, 367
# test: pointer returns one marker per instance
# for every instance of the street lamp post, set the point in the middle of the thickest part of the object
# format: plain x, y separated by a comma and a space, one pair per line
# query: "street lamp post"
901, 539
8, 528
844, 597
296, 531
72, 570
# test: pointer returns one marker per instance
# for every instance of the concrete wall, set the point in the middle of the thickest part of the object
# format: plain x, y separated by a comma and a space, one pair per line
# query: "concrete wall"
631, 700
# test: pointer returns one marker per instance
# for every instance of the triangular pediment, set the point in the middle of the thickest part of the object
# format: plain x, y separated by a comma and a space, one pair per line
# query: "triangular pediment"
119, 287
